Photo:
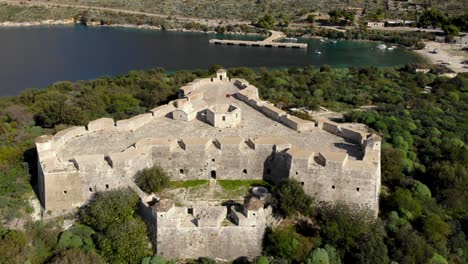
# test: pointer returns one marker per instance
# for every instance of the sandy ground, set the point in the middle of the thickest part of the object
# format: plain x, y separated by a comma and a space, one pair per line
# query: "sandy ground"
446, 53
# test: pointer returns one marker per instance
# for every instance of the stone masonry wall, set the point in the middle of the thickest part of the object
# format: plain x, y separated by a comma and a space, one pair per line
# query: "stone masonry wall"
226, 243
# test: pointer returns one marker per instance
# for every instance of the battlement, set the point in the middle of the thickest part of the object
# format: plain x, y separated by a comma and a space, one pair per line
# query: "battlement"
213, 231
253, 213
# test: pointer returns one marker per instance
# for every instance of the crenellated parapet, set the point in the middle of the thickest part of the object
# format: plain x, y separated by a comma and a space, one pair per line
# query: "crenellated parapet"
249, 94
178, 230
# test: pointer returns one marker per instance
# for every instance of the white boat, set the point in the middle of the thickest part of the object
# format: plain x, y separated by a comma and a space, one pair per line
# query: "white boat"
323, 40
382, 46
318, 52
333, 41
290, 39
391, 48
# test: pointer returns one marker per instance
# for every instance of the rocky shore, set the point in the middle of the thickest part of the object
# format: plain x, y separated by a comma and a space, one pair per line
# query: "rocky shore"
130, 26
37, 23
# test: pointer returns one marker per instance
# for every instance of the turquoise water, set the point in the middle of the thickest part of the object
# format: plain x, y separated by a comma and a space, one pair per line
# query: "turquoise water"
40, 56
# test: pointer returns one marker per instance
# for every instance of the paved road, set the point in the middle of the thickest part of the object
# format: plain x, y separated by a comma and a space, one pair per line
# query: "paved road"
274, 36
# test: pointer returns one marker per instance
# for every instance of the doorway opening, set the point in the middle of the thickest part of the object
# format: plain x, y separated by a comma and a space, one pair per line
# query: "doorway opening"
213, 174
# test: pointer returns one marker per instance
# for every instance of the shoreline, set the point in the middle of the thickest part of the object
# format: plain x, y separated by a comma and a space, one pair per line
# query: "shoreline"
9, 24
67, 22
443, 55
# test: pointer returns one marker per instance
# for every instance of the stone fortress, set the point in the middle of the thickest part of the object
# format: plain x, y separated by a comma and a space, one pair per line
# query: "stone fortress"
218, 129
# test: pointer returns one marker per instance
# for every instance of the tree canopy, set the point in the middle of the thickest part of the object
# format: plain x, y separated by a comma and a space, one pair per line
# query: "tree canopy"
291, 198
108, 208
152, 179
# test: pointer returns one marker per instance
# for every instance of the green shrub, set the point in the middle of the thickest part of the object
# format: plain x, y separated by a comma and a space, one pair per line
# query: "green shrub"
261, 260
71, 256
318, 256
13, 246
359, 238
287, 244
69, 240
153, 179
108, 208
125, 242
291, 198
154, 260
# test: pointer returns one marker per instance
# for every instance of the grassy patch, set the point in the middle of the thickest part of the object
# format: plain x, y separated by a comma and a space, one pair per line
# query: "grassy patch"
231, 185
187, 184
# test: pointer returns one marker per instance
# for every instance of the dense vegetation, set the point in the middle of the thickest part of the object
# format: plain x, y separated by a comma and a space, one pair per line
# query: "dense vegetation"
21, 14
121, 235
436, 19
423, 216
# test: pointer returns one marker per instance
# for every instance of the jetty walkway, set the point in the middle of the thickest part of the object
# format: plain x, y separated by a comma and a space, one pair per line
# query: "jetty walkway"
268, 42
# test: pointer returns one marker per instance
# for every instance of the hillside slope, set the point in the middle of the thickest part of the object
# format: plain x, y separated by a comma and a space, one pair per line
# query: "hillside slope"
250, 9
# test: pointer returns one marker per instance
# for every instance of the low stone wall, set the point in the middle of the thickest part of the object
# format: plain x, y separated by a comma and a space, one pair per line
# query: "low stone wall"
241, 83
195, 96
162, 110
296, 123
331, 127
135, 122
63, 136
101, 124
124, 159
353, 135
272, 111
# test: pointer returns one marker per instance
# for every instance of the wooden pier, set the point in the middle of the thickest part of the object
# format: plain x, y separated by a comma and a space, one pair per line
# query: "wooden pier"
267, 43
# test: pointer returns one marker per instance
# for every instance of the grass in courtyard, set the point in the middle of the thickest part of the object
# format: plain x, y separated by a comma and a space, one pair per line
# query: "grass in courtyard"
187, 184
234, 185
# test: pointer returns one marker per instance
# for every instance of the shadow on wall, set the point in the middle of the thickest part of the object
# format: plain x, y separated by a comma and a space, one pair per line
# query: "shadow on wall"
351, 149
31, 158
276, 166
201, 116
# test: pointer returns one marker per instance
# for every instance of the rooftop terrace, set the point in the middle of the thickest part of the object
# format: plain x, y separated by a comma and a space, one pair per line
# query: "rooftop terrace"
254, 124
